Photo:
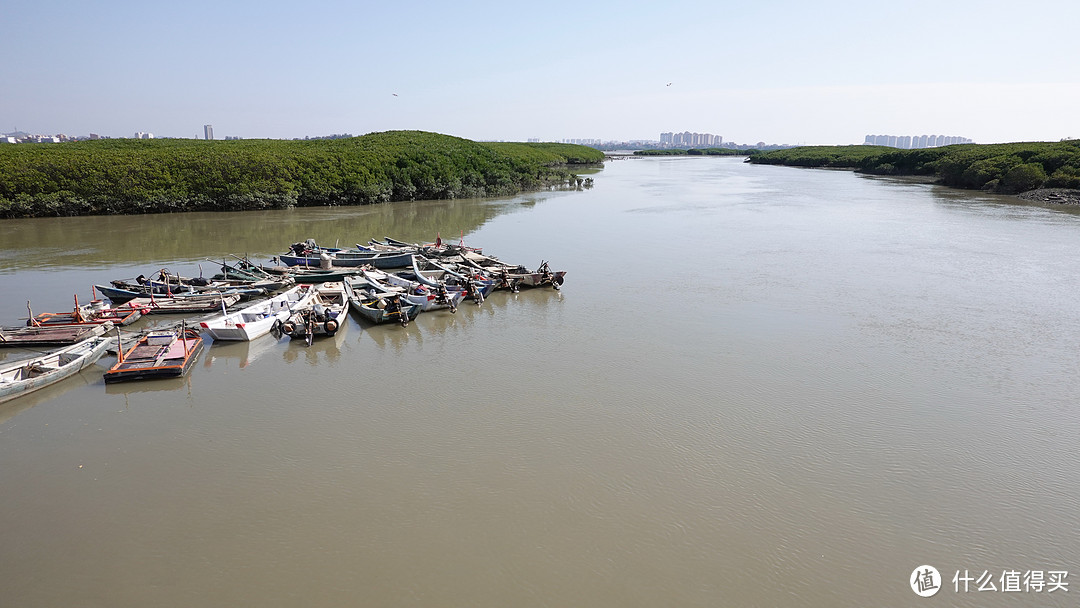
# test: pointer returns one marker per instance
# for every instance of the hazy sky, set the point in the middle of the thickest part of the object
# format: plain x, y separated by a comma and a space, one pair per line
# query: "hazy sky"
778, 71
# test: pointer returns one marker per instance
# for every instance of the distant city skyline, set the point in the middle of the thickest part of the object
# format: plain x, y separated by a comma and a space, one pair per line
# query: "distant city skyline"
668, 139
909, 142
685, 139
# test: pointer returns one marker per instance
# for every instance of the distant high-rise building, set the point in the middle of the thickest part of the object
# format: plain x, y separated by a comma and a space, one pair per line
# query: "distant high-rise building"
208, 131
686, 139
908, 142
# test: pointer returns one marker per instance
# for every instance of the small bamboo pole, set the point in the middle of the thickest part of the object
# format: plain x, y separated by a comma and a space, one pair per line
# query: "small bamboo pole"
119, 346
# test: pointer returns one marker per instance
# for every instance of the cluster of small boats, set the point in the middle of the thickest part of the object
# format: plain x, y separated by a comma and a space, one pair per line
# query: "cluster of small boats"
305, 294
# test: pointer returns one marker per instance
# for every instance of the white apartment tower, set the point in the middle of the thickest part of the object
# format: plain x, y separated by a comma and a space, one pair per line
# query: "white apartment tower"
208, 131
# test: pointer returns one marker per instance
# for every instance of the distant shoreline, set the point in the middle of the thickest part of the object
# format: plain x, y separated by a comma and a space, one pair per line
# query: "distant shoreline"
1047, 172
1053, 196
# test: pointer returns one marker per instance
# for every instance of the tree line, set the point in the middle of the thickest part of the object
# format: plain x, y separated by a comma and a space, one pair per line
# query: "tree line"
1005, 168
128, 176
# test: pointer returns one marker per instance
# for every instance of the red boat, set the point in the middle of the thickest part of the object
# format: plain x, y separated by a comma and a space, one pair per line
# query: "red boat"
159, 354
96, 312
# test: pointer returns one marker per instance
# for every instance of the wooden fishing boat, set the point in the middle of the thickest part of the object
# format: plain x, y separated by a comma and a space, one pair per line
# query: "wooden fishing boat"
376, 309
373, 245
511, 276
431, 273
189, 304
245, 286
438, 248
348, 259
49, 335
256, 320
323, 315
120, 292
96, 312
28, 375
247, 273
118, 295
159, 354
426, 297
301, 274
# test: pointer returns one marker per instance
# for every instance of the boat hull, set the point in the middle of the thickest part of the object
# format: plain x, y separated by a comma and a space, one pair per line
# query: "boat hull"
256, 320
388, 284
49, 335
186, 304
376, 315
149, 359
369, 310
26, 376
323, 315
352, 259
91, 315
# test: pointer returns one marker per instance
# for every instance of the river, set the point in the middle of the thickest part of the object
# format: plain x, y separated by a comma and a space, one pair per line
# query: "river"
759, 386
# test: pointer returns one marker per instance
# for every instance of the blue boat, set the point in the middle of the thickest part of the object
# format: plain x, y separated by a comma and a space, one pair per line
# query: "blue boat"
350, 258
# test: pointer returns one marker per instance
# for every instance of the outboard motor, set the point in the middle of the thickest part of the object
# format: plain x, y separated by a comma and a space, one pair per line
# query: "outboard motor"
442, 296
393, 306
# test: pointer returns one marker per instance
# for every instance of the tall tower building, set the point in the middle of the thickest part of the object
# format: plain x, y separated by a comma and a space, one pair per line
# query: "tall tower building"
208, 131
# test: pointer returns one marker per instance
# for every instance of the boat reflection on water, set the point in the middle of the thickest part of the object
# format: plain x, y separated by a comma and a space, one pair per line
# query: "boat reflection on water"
394, 336
149, 386
323, 349
244, 352
80, 380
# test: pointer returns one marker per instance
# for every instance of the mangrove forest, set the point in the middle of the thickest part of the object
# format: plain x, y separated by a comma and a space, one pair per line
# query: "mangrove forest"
130, 176
1004, 168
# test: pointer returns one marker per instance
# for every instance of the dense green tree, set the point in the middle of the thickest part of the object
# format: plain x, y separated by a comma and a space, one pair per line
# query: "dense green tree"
1022, 178
1065, 177
1010, 168
148, 176
978, 173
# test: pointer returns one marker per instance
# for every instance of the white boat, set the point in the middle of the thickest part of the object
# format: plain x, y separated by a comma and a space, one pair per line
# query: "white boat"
414, 292
256, 320
323, 315
27, 375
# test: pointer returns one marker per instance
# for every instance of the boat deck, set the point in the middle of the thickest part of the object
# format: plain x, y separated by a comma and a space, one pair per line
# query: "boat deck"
156, 360
47, 335
153, 354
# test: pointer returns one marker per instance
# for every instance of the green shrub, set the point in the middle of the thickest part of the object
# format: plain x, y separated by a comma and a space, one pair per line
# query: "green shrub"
1022, 178
1065, 177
